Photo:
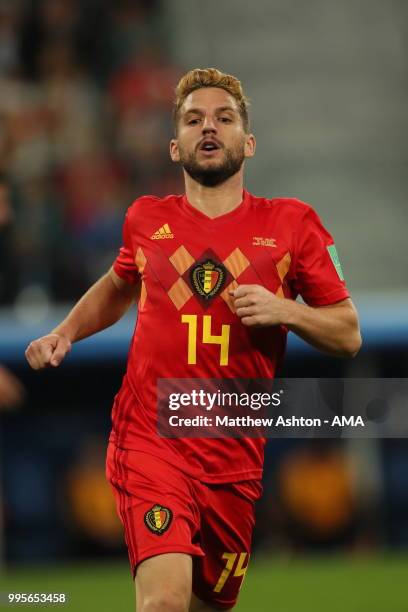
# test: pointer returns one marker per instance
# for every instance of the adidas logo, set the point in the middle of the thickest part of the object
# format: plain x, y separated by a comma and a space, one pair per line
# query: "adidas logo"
163, 232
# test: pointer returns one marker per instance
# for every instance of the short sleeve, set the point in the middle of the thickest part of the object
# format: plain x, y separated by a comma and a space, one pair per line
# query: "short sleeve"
317, 273
125, 265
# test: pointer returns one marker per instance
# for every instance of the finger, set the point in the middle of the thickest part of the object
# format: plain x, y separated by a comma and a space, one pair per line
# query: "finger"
246, 311
241, 290
37, 361
243, 301
39, 353
62, 348
45, 353
250, 321
46, 347
32, 357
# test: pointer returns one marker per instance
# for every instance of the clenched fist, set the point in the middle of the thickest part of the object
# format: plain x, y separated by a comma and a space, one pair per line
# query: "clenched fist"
258, 307
47, 351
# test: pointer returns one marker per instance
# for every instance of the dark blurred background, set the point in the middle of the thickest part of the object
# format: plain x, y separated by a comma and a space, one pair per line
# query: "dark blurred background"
85, 100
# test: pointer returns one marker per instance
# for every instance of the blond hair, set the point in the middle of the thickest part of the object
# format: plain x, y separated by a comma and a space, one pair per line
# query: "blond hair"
210, 77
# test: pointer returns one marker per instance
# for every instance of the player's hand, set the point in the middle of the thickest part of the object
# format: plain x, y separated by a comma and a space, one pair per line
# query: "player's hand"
47, 351
258, 307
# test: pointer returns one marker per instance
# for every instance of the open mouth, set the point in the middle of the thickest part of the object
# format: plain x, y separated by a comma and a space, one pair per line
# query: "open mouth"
209, 146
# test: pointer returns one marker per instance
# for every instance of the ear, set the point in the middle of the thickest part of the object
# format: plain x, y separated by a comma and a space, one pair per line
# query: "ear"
250, 145
174, 150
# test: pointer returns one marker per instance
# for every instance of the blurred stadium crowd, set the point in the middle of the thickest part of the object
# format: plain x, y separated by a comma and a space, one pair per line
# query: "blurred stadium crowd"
86, 89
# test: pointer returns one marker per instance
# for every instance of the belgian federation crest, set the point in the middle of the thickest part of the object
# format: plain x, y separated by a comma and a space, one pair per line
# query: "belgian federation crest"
158, 519
208, 278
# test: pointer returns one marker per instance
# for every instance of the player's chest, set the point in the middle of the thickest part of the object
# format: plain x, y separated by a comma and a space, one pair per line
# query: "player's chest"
208, 258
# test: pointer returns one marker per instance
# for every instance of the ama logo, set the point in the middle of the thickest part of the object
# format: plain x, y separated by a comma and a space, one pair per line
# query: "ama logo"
348, 421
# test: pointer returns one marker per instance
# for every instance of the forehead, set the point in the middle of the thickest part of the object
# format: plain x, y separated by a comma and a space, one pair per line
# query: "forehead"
207, 99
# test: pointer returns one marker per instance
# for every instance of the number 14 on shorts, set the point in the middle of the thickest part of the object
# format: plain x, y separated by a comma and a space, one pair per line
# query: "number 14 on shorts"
231, 563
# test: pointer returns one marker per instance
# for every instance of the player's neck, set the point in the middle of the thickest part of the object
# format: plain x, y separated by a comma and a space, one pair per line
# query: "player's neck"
215, 201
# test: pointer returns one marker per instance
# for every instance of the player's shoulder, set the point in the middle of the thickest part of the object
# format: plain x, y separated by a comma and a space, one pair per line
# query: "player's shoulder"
291, 212
147, 203
282, 205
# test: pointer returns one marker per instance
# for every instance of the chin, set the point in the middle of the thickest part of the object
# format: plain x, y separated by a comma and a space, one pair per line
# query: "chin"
214, 163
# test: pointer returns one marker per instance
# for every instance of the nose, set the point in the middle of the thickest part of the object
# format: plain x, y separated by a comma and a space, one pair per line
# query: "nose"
209, 125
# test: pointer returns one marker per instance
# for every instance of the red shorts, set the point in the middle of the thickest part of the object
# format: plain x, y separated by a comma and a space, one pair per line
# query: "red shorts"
163, 510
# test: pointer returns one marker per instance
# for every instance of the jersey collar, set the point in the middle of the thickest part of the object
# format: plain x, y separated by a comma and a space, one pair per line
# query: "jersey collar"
233, 215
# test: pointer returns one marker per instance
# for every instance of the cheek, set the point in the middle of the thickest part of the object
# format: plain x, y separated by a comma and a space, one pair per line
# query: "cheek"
239, 144
237, 139
186, 144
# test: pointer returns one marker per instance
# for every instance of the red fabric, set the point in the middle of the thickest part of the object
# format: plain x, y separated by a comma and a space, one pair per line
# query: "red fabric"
206, 522
266, 233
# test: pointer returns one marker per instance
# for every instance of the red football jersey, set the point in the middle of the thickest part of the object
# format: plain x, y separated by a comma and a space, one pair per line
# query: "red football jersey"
187, 263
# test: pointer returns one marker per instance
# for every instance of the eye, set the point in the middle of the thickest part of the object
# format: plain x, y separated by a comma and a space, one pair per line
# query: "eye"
192, 121
226, 119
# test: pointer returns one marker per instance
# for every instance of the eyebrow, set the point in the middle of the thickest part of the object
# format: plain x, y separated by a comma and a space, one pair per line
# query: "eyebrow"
199, 111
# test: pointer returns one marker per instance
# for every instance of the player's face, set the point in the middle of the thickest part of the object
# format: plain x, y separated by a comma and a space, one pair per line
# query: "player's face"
211, 142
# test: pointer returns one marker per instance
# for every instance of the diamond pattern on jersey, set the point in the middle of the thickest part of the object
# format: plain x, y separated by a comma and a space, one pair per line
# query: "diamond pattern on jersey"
140, 261
181, 260
227, 297
179, 293
283, 268
183, 264
236, 263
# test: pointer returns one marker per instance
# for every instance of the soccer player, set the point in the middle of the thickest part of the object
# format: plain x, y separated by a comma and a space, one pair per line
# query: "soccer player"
215, 273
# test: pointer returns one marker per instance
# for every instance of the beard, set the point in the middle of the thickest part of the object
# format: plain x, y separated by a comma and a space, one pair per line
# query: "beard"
211, 175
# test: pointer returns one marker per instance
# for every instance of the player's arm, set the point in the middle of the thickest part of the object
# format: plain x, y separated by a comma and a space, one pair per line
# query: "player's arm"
333, 329
101, 306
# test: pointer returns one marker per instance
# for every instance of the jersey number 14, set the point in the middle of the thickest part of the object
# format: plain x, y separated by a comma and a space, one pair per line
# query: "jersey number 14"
208, 338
